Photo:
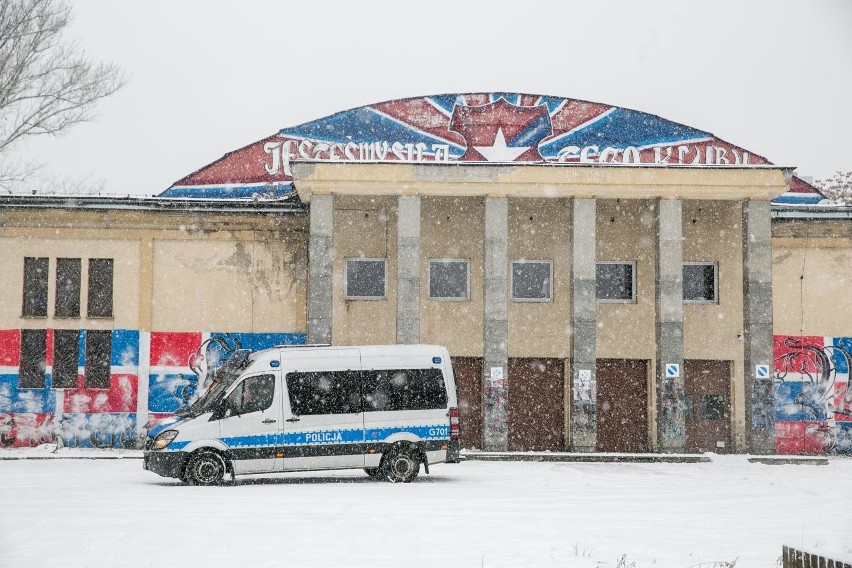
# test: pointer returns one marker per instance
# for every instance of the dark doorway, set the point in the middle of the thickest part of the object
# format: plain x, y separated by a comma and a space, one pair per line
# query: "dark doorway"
622, 405
708, 406
536, 392
468, 373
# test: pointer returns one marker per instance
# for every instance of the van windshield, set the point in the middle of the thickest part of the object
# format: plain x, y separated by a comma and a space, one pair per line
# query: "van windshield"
223, 378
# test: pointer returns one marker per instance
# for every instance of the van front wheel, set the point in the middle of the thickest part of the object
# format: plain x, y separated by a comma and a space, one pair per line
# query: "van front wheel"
401, 466
205, 468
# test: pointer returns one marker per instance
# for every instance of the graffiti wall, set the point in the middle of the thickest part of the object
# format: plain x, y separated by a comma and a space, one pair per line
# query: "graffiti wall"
813, 401
152, 374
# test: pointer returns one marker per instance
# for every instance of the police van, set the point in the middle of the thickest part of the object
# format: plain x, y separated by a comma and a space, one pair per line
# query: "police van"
386, 409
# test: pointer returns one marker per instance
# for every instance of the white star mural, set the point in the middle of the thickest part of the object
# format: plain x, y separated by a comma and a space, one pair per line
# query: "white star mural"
500, 152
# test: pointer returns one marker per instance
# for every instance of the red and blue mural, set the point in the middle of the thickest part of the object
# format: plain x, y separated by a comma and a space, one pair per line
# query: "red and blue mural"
151, 376
813, 399
474, 127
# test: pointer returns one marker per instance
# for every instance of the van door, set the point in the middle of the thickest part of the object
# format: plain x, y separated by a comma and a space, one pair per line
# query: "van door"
404, 400
323, 421
250, 422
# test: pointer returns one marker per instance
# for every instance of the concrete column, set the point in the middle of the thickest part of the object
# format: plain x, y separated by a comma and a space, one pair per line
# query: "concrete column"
757, 327
671, 433
320, 264
496, 324
583, 325
408, 270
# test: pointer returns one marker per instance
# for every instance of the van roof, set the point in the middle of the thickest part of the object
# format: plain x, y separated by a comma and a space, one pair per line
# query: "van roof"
375, 350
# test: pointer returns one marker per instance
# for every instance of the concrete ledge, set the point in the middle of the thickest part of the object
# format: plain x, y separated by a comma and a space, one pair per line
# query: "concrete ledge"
789, 460
585, 457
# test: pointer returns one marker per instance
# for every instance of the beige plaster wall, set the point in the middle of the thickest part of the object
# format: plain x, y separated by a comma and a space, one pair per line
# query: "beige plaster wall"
539, 229
712, 232
812, 280
453, 227
626, 231
67, 243
173, 271
364, 227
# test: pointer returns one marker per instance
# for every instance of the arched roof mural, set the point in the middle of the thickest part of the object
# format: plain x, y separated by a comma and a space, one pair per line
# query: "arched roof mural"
475, 127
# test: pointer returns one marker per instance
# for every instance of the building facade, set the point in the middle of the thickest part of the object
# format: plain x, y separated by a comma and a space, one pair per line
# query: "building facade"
605, 280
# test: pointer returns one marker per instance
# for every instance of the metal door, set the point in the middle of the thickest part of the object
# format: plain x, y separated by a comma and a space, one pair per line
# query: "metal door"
622, 405
708, 406
536, 392
468, 373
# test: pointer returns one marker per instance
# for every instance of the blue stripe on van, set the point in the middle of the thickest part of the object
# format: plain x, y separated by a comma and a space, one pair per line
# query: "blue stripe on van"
324, 437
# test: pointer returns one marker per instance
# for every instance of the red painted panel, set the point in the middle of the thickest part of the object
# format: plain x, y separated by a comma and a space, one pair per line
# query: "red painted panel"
10, 347
121, 397
798, 438
173, 348
49, 343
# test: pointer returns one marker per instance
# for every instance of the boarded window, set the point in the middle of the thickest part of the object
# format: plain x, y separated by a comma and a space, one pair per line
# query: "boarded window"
66, 356
532, 280
615, 281
33, 352
35, 287
98, 350
335, 392
67, 288
100, 287
366, 279
699, 282
448, 280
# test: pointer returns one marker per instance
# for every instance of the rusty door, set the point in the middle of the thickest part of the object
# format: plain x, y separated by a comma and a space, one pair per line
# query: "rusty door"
468, 373
622, 405
708, 406
536, 419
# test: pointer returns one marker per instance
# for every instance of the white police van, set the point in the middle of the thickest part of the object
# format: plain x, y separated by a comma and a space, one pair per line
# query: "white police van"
385, 409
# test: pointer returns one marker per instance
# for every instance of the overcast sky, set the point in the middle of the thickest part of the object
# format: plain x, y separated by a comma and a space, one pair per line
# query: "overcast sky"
207, 77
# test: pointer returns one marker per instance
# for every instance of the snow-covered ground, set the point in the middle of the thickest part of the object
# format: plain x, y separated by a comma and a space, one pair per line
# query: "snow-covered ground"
108, 513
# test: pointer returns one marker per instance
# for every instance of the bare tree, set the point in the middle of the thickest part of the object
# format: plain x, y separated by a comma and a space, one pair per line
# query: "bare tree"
838, 188
46, 83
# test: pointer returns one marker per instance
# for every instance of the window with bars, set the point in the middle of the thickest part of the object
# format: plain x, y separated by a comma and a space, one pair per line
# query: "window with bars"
98, 351
700, 283
100, 288
33, 358
35, 287
532, 280
449, 279
67, 288
66, 358
615, 281
366, 278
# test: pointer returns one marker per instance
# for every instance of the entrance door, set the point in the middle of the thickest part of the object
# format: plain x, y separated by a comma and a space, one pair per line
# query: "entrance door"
251, 423
622, 405
708, 406
468, 374
536, 393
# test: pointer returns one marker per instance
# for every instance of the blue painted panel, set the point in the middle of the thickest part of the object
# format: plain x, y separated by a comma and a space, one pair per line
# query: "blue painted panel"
231, 192
622, 128
841, 358
125, 347
168, 392
794, 401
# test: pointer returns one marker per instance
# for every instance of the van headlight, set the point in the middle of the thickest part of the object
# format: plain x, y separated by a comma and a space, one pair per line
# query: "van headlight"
164, 439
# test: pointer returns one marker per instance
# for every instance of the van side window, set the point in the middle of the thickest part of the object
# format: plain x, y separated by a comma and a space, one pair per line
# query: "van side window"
403, 389
324, 392
252, 395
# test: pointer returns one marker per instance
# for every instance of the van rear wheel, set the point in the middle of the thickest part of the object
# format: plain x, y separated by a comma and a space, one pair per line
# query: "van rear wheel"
205, 468
401, 466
